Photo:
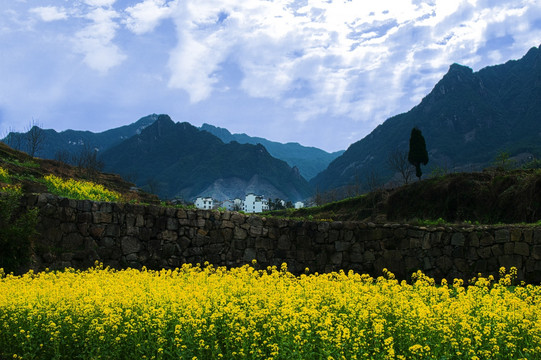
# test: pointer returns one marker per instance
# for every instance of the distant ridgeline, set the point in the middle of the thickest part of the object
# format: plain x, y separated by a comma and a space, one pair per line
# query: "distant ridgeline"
309, 160
231, 171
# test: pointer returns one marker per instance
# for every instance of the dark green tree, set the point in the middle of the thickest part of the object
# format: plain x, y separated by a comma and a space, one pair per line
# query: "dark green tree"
417, 154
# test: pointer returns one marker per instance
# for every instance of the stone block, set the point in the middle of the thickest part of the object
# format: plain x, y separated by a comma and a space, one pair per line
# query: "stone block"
169, 236
334, 235
342, 246
486, 240
473, 240
415, 233
426, 242
369, 256
130, 245
356, 257
461, 265
536, 252
68, 228
528, 236
522, 248
484, 252
516, 235
336, 258
444, 263
102, 218
537, 236
508, 248
172, 224
471, 253
67, 256
497, 250
249, 255
227, 234
132, 230
458, 239
112, 230
427, 264
501, 236
169, 250
284, 243
181, 214
256, 230
84, 217
239, 233
73, 241
107, 242
238, 218
228, 224
415, 243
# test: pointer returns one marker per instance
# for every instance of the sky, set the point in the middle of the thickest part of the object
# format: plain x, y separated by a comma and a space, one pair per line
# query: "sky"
322, 73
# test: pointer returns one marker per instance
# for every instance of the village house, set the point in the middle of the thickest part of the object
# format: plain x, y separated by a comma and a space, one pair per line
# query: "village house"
299, 205
204, 203
255, 204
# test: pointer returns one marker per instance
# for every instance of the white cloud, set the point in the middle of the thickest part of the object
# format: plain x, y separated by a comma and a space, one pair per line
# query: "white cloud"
350, 61
50, 13
98, 3
145, 16
95, 41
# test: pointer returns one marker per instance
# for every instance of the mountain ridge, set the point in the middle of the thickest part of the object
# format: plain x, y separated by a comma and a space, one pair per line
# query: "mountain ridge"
466, 119
309, 160
182, 161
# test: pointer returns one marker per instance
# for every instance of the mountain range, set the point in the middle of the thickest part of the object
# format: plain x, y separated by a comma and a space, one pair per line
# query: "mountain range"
467, 120
73, 141
309, 160
179, 160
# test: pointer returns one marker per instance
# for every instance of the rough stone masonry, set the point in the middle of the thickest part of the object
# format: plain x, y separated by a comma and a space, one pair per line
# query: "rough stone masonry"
77, 233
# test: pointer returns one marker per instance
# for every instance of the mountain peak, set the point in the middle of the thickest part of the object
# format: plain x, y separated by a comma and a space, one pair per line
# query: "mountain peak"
164, 119
458, 72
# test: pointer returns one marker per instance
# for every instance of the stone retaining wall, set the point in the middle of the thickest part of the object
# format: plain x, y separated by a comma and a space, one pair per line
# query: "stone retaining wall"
77, 233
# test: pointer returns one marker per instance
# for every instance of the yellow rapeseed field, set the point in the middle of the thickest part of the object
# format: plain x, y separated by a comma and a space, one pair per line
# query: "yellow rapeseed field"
243, 313
81, 190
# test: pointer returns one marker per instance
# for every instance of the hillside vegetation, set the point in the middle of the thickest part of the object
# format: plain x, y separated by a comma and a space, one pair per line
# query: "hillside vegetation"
30, 173
488, 197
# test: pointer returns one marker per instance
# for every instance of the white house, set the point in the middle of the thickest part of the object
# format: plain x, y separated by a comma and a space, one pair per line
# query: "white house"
255, 204
205, 203
299, 205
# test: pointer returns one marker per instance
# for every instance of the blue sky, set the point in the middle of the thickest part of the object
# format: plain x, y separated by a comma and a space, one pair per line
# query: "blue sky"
322, 73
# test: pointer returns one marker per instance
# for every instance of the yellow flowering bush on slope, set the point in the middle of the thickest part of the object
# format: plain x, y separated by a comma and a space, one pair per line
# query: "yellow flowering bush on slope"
244, 313
4, 175
80, 190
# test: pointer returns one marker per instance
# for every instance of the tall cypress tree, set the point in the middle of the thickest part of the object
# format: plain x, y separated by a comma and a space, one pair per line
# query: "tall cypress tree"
417, 154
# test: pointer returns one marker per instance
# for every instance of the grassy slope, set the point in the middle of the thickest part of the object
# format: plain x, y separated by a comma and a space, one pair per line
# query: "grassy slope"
492, 196
28, 171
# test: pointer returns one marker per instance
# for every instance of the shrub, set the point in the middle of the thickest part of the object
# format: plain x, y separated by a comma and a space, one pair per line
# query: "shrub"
4, 176
16, 230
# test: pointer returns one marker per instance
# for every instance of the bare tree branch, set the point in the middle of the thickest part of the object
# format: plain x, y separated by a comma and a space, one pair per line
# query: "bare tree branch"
398, 162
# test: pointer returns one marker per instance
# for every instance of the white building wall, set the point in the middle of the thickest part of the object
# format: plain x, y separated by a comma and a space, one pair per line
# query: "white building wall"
204, 203
255, 204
